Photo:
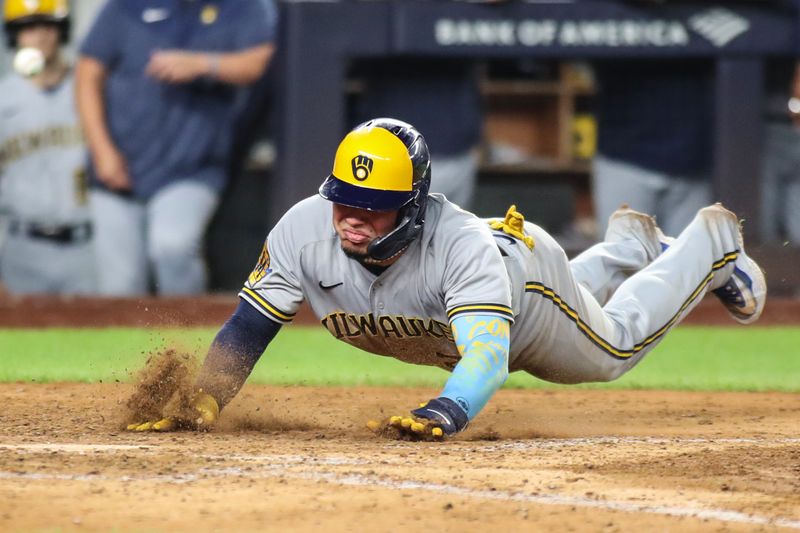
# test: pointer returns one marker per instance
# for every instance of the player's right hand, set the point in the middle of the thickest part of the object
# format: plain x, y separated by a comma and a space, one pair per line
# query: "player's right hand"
112, 169
204, 416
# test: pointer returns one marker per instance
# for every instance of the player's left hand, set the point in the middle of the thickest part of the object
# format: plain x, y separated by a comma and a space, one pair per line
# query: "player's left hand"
205, 412
433, 420
407, 428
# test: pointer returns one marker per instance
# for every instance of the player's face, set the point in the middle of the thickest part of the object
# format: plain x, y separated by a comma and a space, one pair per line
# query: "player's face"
44, 36
358, 227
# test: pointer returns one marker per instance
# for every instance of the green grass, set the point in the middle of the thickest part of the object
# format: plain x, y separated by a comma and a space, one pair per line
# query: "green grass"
691, 358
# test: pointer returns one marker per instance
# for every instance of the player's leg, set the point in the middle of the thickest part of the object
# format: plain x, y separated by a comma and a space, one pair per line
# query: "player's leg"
119, 251
178, 216
791, 212
24, 265
707, 256
78, 274
776, 166
632, 241
583, 342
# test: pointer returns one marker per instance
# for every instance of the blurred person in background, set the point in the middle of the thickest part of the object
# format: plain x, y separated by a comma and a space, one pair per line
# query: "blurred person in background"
43, 193
158, 82
441, 97
655, 148
780, 193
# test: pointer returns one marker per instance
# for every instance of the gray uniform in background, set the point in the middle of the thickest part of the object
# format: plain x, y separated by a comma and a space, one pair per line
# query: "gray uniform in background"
563, 328
47, 246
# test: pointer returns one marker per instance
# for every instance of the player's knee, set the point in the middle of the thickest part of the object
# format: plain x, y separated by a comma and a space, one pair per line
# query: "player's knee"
716, 214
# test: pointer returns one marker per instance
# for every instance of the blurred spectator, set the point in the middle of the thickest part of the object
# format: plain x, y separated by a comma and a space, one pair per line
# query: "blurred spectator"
441, 97
158, 82
655, 121
780, 194
43, 189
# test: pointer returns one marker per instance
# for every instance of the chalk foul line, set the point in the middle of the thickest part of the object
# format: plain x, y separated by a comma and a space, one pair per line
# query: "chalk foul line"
287, 466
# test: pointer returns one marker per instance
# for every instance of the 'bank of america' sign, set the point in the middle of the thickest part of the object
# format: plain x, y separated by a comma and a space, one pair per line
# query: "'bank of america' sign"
719, 26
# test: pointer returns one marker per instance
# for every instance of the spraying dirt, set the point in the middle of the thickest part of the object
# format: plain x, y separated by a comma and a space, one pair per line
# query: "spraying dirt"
164, 387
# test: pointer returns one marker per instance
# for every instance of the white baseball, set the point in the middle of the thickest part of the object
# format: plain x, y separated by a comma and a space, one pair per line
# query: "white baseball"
29, 61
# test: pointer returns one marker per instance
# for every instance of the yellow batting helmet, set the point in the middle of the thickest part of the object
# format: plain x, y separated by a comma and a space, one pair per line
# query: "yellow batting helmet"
383, 165
17, 13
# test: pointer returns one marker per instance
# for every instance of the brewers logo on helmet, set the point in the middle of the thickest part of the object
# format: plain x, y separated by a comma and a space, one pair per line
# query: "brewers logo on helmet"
17, 13
383, 165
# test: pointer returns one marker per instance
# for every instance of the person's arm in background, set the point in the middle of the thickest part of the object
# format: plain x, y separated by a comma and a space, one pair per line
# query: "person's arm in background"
253, 40
101, 47
236, 68
109, 163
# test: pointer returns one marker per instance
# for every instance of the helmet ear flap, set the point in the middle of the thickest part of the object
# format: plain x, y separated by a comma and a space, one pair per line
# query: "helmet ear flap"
411, 219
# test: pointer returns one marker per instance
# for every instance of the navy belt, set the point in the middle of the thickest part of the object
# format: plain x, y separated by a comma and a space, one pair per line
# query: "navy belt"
62, 234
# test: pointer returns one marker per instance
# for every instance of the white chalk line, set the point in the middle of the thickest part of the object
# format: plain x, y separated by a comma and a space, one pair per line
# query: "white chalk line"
533, 444
73, 448
543, 444
285, 466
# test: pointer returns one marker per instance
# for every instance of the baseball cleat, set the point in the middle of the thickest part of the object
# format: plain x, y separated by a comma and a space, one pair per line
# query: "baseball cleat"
625, 224
745, 292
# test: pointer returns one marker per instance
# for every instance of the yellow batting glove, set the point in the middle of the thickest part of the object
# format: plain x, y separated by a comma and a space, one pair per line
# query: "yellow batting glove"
165, 424
205, 413
407, 428
208, 410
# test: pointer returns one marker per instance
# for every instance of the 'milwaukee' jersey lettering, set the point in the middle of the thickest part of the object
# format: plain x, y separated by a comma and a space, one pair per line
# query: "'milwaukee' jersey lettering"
349, 325
454, 268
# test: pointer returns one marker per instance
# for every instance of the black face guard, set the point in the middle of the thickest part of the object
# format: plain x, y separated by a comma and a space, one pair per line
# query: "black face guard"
409, 226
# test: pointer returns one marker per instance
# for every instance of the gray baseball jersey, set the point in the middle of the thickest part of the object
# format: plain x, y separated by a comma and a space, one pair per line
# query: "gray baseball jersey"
560, 331
42, 189
405, 312
42, 155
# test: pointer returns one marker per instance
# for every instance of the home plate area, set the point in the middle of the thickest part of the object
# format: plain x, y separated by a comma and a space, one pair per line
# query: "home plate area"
301, 458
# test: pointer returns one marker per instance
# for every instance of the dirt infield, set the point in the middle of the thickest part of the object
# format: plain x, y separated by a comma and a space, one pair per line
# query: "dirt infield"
300, 459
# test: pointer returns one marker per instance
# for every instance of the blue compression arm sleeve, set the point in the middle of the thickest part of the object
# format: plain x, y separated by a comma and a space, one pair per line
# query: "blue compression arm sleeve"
483, 342
235, 351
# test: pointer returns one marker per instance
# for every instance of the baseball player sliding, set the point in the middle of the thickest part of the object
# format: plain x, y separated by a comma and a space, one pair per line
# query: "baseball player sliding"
396, 271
